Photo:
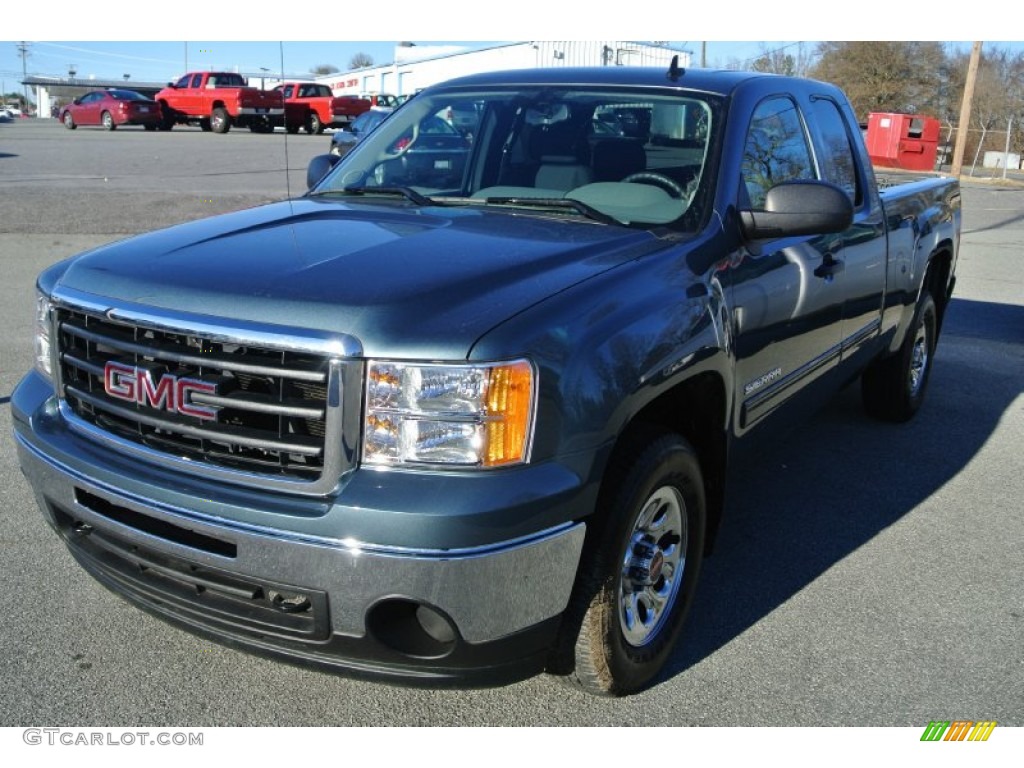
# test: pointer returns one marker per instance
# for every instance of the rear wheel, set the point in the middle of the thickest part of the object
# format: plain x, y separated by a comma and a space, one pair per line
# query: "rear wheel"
639, 572
893, 388
69, 121
220, 121
108, 121
313, 124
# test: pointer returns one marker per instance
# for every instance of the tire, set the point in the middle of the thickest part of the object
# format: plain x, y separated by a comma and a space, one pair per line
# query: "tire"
639, 571
108, 122
150, 126
220, 120
893, 388
69, 121
313, 124
204, 125
166, 117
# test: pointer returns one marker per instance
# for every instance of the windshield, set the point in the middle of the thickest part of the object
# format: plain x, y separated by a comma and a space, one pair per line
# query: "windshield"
633, 156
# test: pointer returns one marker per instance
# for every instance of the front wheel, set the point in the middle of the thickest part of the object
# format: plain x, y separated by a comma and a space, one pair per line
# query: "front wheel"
893, 388
69, 121
639, 574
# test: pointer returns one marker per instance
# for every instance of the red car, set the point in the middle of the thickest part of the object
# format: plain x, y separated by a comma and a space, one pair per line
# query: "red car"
111, 109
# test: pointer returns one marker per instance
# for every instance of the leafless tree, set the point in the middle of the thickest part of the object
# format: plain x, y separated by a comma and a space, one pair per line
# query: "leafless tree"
324, 69
360, 60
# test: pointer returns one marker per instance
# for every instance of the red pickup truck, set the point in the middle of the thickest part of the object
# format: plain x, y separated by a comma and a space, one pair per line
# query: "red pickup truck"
218, 100
314, 106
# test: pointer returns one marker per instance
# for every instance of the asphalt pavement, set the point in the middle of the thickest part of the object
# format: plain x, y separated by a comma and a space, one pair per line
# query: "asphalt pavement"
866, 575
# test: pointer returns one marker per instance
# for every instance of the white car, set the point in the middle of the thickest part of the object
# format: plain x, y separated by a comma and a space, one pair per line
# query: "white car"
12, 110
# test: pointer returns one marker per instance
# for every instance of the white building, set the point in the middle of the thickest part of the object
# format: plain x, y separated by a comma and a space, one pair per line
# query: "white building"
416, 67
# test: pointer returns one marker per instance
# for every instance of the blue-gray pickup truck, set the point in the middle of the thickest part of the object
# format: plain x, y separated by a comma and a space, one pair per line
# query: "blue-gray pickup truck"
465, 411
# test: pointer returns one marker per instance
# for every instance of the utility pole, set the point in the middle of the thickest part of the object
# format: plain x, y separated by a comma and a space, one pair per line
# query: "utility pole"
23, 52
703, 54
965, 111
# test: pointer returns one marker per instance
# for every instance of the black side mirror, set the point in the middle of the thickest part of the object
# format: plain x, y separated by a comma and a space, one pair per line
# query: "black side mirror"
318, 168
799, 208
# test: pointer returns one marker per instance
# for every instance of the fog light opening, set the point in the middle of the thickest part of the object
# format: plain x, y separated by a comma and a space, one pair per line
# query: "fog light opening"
412, 628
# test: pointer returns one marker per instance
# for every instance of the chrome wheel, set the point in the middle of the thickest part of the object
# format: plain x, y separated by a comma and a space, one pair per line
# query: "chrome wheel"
653, 567
918, 361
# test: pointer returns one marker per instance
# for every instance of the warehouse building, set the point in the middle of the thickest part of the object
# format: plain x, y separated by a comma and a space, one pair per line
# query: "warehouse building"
416, 67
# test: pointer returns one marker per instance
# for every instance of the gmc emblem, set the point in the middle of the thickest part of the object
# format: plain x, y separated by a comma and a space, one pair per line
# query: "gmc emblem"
169, 393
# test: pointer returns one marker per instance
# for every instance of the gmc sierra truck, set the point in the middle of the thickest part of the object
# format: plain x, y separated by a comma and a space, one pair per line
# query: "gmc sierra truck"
216, 101
461, 416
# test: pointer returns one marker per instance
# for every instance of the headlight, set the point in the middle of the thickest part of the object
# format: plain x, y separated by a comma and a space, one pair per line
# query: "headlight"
456, 415
44, 328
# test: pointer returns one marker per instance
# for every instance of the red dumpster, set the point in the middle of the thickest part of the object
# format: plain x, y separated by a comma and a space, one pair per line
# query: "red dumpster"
903, 141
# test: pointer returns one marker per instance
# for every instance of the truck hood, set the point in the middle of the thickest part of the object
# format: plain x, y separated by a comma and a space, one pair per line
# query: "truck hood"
404, 281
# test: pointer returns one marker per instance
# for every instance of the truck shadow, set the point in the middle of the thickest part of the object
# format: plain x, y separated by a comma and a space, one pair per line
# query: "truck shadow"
842, 479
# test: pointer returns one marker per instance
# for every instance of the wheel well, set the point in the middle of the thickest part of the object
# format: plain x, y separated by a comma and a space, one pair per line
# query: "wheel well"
936, 279
696, 410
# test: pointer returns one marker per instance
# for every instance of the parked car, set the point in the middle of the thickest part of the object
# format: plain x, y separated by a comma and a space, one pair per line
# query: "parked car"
12, 110
342, 141
110, 109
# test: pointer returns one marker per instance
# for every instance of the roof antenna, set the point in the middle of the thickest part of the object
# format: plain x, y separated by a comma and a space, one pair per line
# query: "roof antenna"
674, 70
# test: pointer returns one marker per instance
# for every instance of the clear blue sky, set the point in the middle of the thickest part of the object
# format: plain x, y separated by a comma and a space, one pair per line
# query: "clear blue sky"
161, 61
101, 39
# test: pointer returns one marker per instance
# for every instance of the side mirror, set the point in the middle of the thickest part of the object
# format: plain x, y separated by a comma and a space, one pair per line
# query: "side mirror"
799, 208
318, 168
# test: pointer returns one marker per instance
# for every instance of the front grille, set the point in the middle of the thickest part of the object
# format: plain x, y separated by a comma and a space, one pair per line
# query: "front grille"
215, 403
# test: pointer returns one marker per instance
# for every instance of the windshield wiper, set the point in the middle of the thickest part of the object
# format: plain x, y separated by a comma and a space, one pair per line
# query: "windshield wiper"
406, 192
556, 202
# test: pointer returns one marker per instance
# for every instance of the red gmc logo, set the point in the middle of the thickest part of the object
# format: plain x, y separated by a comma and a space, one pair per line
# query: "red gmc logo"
169, 393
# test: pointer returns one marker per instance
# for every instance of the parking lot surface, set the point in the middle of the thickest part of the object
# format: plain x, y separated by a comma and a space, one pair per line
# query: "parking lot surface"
867, 574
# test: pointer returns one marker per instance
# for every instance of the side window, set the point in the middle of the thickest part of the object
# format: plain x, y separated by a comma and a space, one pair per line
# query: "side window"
197, 80
288, 91
837, 158
776, 149
183, 82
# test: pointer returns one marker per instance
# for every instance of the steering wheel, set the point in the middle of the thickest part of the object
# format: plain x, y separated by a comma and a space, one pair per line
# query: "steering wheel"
658, 180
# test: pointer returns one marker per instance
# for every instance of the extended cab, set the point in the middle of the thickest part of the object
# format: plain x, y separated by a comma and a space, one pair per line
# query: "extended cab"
216, 101
467, 410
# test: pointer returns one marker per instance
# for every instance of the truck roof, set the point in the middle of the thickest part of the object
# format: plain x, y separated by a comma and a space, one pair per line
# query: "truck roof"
711, 80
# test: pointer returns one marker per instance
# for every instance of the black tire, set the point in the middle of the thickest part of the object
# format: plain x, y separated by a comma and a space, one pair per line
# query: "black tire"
639, 570
150, 126
220, 120
205, 125
166, 117
69, 121
894, 387
107, 120
313, 124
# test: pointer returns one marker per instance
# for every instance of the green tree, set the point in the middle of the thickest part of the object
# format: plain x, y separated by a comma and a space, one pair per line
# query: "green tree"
324, 69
